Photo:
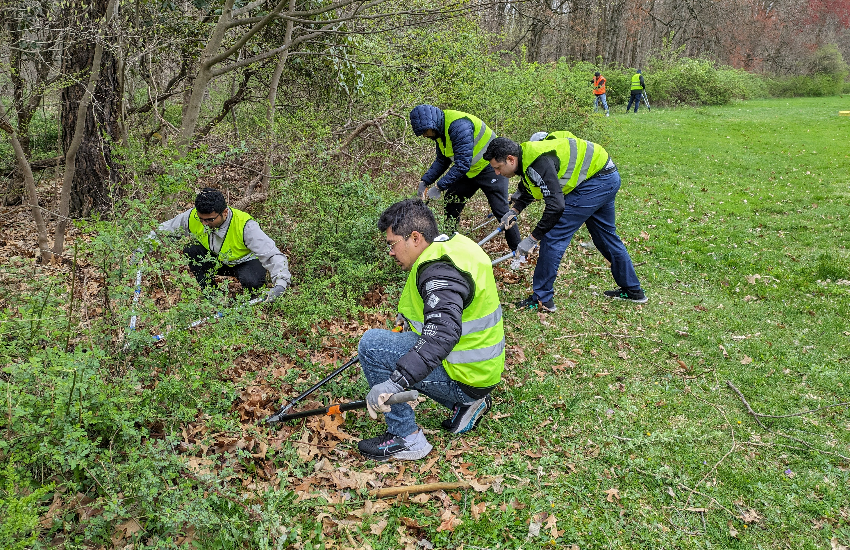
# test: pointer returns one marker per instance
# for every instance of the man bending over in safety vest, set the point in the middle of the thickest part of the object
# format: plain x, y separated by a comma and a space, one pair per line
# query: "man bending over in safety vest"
578, 182
454, 351
461, 140
228, 242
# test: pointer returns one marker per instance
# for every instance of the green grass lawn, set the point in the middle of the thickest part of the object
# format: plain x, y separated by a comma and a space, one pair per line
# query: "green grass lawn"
616, 426
620, 420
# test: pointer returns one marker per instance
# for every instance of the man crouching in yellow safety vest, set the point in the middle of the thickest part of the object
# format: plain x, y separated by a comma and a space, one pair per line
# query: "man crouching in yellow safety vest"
228, 242
454, 350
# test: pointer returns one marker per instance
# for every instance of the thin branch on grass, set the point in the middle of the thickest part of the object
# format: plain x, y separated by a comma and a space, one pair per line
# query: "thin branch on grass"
686, 488
756, 416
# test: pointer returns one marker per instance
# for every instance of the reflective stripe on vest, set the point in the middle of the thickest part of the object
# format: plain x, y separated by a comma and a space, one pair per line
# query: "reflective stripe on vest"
478, 358
233, 245
636, 82
483, 137
468, 327
570, 152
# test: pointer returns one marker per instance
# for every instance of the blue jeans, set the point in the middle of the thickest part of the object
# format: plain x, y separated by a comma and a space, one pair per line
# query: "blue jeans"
379, 350
636, 97
600, 97
592, 204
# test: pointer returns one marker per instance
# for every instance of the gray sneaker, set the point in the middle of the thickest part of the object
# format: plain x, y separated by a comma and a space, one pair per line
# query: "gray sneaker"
387, 446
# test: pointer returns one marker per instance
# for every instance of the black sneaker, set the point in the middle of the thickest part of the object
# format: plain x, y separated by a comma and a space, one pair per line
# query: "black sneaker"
384, 447
532, 303
466, 417
528, 303
636, 296
547, 307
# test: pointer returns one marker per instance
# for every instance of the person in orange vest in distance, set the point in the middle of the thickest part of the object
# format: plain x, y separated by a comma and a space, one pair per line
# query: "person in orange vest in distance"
599, 91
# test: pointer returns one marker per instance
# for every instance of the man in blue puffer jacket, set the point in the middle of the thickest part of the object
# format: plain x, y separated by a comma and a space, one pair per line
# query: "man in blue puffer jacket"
461, 141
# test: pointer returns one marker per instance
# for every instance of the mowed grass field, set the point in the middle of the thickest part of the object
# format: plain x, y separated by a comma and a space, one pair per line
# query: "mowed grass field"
716, 415
622, 421
737, 218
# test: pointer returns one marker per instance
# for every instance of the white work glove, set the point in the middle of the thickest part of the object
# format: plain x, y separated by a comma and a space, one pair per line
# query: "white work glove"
422, 188
272, 294
526, 245
378, 395
509, 218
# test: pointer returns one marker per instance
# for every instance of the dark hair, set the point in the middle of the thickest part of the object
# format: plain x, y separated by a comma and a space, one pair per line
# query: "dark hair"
407, 216
596, 74
210, 200
500, 148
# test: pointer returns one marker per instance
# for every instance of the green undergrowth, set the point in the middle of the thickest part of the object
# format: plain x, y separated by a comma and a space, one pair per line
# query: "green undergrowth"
622, 422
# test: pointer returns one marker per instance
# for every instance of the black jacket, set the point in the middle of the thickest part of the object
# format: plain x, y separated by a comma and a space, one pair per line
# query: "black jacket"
544, 174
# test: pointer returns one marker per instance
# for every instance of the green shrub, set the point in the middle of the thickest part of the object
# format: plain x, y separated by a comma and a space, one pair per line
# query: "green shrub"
19, 509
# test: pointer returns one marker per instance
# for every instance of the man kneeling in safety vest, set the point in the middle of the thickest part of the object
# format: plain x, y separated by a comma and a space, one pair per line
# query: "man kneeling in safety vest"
454, 351
578, 182
229, 242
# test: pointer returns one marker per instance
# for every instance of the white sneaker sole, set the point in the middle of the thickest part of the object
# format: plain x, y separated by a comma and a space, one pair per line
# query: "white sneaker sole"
471, 416
407, 454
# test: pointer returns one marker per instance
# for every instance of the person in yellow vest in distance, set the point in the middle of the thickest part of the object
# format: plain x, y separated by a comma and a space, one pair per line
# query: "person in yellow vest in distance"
599, 92
228, 242
459, 169
453, 348
578, 182
637, 91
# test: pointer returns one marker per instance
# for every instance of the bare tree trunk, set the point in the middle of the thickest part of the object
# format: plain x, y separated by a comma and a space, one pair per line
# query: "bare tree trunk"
272, 99
29, 183
202, 79
77, 137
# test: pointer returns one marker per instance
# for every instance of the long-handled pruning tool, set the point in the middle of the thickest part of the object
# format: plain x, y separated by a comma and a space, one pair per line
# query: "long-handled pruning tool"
487, 221
282, 412
340, 408
199, 322
137, 292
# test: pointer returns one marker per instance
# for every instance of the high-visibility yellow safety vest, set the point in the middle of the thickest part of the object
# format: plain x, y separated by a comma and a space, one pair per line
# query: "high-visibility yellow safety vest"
580, 160
561, 134
636, 82
483, 137
478, 359
233, 248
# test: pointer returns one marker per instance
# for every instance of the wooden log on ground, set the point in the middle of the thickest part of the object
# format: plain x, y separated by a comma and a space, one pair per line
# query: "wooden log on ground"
415, 489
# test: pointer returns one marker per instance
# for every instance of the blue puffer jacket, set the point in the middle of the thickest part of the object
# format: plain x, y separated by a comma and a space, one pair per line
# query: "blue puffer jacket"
461, 135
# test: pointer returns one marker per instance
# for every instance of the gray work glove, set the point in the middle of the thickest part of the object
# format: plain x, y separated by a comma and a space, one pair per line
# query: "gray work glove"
422, 188
272, 294
509, 218
378, 395
515, 197
526, 245
434, 193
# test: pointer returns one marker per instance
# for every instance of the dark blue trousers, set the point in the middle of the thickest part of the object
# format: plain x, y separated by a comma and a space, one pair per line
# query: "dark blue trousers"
592, 204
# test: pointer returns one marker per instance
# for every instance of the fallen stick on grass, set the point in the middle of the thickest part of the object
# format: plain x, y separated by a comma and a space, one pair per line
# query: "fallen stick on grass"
415, 489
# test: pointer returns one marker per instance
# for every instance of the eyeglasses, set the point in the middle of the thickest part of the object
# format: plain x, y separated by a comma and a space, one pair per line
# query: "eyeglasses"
209, 220
395, 242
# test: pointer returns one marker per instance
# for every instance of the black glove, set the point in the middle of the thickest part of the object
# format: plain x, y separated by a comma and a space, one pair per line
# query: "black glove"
421, 191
